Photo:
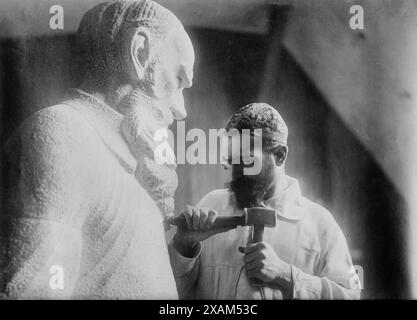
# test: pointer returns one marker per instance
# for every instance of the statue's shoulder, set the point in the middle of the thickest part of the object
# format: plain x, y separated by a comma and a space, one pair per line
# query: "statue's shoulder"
57, 119
57, 125
50, 134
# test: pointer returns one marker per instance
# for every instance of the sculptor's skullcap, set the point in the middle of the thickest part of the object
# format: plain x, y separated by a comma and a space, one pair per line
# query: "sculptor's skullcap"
261, 116
99, 30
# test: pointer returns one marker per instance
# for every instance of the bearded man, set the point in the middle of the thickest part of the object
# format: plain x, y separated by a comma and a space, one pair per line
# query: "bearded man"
86, 197
304, 257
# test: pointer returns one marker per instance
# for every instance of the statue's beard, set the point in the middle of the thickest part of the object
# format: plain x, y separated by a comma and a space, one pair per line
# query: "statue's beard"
142, 118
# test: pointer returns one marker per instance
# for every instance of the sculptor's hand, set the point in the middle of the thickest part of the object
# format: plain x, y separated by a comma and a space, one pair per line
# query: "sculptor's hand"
263, 263
199, 223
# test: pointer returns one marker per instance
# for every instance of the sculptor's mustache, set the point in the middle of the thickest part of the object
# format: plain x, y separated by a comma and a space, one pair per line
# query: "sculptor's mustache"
248, 193
239, 173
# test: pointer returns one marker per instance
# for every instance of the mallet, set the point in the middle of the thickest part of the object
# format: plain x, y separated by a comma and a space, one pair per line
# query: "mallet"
258, 217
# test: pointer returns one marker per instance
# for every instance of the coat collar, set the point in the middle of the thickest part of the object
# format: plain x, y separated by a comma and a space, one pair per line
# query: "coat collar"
288, 202
107, 123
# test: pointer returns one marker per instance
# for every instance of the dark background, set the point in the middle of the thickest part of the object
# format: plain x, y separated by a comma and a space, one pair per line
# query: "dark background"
232, 69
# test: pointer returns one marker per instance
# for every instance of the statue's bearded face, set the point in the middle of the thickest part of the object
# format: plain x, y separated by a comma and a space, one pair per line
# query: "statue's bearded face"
174, 72
152, 105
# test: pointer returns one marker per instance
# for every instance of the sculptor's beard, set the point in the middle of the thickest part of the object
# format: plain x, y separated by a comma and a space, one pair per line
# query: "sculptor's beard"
143, 116
250, 190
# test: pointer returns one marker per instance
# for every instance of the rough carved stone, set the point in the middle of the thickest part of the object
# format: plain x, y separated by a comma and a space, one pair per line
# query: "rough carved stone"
83, 189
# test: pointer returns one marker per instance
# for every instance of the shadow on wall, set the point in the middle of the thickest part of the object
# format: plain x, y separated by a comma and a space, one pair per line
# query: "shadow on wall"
36, 73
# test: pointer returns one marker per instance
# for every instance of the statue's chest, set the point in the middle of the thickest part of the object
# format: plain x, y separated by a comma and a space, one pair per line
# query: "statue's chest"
125, 248
123, 208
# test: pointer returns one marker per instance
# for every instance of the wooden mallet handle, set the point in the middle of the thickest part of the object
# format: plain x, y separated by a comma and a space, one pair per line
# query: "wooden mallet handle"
220, 222
257, 236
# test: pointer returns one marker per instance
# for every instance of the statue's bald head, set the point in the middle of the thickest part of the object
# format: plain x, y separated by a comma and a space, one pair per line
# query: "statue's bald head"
137, 43
103, 29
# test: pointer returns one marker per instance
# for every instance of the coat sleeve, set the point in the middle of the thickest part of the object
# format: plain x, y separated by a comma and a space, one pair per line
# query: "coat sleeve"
40, 224
186, 271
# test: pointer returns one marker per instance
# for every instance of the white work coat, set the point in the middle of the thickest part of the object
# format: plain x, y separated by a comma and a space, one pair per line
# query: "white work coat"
306, 236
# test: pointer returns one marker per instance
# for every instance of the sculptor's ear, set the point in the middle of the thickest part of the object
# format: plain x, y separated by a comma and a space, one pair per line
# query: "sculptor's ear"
139, 51
280, 154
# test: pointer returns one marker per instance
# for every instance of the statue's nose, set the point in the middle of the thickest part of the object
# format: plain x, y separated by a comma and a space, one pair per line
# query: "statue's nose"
178, 109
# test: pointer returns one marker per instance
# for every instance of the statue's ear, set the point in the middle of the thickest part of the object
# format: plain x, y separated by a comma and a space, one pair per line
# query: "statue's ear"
140, 51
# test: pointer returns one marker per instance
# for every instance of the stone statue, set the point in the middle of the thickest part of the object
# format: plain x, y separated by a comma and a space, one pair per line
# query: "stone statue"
85, 197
